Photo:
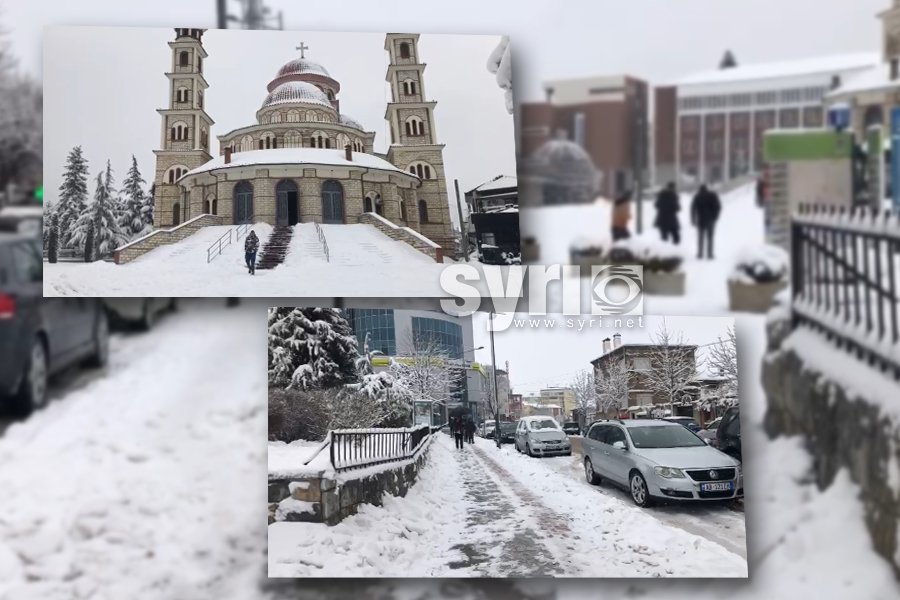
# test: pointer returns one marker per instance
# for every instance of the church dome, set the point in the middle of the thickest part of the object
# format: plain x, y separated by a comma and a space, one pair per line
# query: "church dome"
296, 91
564, 171
351, 122
302, 66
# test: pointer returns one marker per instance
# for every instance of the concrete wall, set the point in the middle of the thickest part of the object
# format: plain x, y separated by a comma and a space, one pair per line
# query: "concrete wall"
841, 431
330, 499
403, 234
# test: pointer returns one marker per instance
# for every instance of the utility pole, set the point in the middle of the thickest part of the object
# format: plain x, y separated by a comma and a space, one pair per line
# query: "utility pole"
638, 158
497, 435
464, 244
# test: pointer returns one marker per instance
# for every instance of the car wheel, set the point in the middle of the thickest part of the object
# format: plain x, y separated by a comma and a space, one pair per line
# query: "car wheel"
589, 474
33, 389
639, 492
101, 342
528, 450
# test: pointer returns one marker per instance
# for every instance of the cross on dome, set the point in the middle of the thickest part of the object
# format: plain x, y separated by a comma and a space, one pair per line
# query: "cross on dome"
302, 48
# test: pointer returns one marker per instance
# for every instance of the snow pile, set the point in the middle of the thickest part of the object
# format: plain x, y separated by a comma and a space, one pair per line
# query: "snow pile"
761, 264
297, 458
500, 64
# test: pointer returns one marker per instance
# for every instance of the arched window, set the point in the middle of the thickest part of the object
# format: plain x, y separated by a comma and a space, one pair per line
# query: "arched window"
409, 87
319, 139
312, 116
268, 141
423, 211
175, 173
342, 141
200, 99
293, 116
246, 143
287, 210
179, 132
206, 207
176, 214
358, 146
215, 206
330, 94
332, 202
404, 50
264, 120
182, 95
293, 139
368, 204
421, 170
184, 59
243, 202
415, 126
276, 117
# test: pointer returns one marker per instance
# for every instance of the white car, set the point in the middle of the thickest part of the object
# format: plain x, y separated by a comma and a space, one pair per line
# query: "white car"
141, 312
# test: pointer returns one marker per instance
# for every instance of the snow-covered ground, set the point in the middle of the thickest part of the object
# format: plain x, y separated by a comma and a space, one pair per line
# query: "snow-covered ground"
740, 226
438, 529
364, 263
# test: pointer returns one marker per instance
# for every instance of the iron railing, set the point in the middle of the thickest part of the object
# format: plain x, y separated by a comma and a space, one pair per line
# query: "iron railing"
358, 448
321, 234
845, 275
232, 235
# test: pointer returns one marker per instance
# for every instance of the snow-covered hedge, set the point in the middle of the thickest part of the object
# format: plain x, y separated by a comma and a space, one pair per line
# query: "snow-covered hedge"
761, 264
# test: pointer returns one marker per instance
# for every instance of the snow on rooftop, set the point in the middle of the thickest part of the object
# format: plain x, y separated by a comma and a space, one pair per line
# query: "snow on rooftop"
783, 69
501, 182
876, 78
307, 156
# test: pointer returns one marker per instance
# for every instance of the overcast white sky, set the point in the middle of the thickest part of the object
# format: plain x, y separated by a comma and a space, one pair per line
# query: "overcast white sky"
541, 357
102, 87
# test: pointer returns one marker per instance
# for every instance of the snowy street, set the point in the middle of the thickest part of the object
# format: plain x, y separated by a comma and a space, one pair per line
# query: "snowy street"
481, 513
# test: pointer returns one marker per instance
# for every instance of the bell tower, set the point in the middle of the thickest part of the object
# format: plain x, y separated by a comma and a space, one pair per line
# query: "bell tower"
414, 146
184, 132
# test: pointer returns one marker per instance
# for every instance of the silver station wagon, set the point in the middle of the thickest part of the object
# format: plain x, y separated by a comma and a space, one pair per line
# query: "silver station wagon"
659, 459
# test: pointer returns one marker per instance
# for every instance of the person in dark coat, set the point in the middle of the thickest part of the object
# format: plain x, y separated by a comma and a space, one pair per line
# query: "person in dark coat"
705, 210
621, 215
458, 432
668, 206
251, 245
760, 192
470, 431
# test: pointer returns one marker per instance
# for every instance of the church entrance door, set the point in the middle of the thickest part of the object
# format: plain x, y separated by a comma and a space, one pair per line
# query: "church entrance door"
332, 202
243, 203
287, 209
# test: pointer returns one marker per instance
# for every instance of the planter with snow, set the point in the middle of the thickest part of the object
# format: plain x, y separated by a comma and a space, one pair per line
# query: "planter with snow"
531, 250
759, 274
661, 262
586, 253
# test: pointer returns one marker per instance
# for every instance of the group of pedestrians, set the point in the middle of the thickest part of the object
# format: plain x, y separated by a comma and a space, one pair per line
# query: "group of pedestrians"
706, 208
463, 430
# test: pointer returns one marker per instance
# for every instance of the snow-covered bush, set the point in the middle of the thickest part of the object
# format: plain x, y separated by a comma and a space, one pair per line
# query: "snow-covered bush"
761, 264
511, 258
298, 415
653, 255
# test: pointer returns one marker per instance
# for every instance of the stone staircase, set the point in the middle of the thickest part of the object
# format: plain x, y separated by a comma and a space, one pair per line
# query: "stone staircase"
276, 248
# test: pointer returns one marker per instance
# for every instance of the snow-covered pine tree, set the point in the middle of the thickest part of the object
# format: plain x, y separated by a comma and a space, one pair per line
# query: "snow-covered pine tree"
73, 195
310, 348
147, 208
393, 401
100, 220
131, 218
53, 239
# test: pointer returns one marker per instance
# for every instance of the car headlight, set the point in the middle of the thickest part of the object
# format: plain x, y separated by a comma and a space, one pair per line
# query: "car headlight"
669, 472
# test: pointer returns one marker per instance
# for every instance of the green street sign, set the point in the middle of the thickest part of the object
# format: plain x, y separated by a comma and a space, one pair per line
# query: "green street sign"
39, 194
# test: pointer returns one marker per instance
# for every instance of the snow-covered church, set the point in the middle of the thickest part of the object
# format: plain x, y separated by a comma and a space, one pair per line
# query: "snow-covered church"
302, 159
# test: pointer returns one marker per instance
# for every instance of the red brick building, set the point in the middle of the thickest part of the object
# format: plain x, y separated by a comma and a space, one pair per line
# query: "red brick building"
604, 115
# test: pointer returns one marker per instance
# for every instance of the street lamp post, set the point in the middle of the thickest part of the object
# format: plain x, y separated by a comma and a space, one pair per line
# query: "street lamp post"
465, 368
494, 377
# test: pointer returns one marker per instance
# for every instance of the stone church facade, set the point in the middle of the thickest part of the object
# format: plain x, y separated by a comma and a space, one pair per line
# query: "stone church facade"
302, 160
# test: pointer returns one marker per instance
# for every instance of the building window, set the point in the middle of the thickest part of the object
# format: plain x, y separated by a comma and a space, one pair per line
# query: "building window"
319, 139
403, 215
813, 117
293, 116
176, 214
176, 173
184, 59
420, 170
246, 143
179, 132
415, 126
409, 87
377, 325
293, 139
423, 211
404, 50
243, 202
200, 64
790, 119
641, 364
200, 99
332, 202
445, 334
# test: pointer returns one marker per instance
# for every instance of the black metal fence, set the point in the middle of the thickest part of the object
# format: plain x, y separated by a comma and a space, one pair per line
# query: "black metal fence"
358, 448
845, 272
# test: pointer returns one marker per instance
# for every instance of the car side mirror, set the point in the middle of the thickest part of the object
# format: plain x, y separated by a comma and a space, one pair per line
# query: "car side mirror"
620, 446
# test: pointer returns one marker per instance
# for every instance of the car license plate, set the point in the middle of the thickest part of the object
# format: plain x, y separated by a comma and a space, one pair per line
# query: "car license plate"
724, 486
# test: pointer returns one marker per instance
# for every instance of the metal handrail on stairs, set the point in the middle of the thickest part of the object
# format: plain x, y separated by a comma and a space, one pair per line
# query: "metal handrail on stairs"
323, 241
215, 249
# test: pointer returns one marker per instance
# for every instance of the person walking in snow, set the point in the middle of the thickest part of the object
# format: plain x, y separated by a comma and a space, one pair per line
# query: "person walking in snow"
470, 431
251, 245
667, 208
621, 215
705, 210
458, 432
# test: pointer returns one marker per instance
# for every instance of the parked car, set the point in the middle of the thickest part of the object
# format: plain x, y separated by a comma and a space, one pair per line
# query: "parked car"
25, 220
487, 428
507, 432
541, 436
571, 428
658, 459
139, 312
708, 433
728, 434
688, 422
38, 337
